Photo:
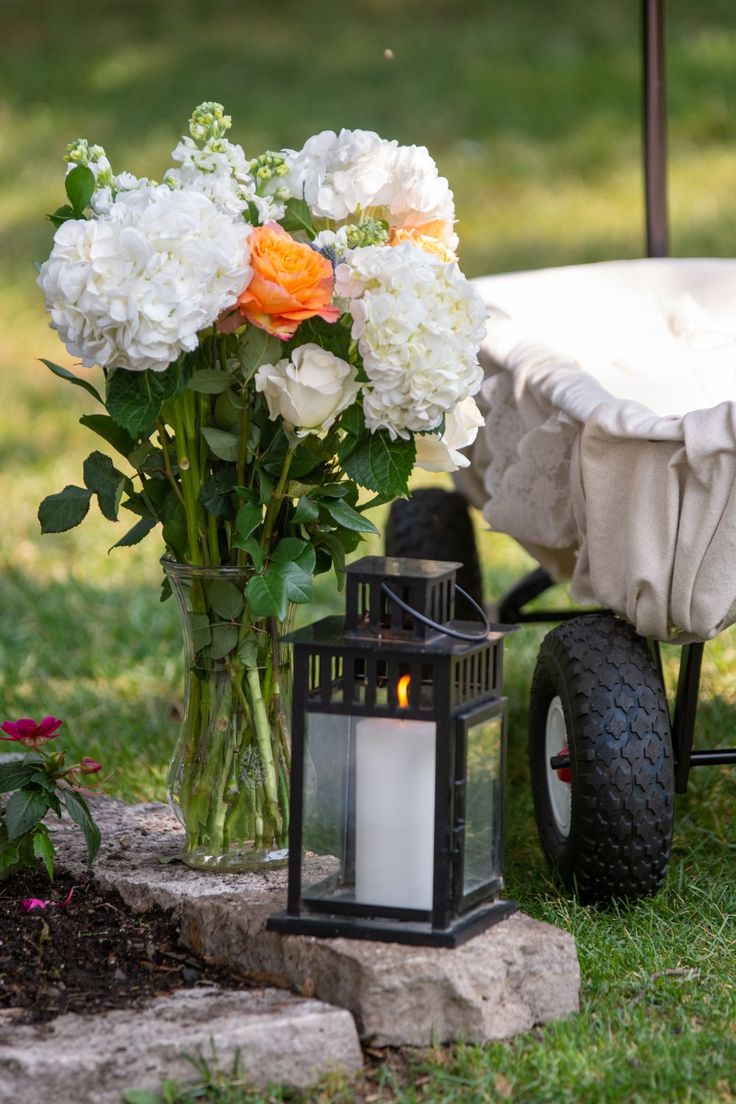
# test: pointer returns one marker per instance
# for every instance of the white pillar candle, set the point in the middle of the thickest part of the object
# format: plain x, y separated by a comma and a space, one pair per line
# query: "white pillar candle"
394, 812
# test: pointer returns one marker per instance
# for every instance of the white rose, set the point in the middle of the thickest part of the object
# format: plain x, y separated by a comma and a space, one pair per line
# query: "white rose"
308, 391
440, 454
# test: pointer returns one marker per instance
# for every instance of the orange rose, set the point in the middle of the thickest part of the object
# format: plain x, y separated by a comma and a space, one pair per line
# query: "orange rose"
427, 237
290, 282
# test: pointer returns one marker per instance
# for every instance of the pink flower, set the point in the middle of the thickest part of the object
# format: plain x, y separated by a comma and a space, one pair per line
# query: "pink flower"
30, 904
89, 766
27, 732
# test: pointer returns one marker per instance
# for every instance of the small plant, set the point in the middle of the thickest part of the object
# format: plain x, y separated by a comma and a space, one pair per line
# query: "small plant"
37, 783
214, 1085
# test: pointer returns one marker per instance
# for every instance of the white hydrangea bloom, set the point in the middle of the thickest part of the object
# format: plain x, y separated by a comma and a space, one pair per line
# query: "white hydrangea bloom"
356, 170
419, 324
416, 193
132, 288
337, 174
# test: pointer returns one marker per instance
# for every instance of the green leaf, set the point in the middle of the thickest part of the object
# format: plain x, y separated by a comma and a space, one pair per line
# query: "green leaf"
105, 427
61, 215
64, 373
381, 464
248, 650
298, 217
224, 445
349, 518
248, 519
298, 583
134, 399
256, 347
265, 488
24, 809
141, 1096
337, 554
291, 550
78, 810
102, 477
307, 510
267, 595
304, 461
174, 532
43, 848
16, 774
253, 548
135, 535
216, 493
224, 639
328, 335
145, 457
210, 381
332, 490
62, 511
201, 632
226, 599
352, 420
80, 185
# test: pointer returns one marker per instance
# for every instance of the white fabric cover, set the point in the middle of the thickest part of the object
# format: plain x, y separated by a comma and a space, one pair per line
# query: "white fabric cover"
609, 449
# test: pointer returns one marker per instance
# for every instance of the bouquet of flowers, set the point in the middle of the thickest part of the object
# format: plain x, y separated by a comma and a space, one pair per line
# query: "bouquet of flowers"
275, 334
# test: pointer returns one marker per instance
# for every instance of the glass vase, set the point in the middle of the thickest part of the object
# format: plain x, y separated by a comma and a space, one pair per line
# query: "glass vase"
228, 781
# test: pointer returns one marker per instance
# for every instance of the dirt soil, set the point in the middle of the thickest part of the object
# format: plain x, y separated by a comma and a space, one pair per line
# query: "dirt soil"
90, 955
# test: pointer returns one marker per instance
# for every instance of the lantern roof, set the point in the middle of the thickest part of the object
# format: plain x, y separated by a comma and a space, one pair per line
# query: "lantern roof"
329, 633
401, 567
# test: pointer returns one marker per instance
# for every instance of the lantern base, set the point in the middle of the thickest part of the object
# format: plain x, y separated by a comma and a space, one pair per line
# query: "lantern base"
414, 932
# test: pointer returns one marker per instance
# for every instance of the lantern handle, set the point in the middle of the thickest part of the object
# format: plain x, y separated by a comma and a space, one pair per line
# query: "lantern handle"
457, 633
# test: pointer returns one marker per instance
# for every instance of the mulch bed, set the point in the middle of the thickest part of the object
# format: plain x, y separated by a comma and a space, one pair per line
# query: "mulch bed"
90, 955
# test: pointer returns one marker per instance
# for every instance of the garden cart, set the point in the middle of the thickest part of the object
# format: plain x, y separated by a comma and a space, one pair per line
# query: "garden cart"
609, 453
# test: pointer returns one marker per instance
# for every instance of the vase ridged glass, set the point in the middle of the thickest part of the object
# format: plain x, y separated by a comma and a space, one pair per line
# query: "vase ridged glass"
228, 781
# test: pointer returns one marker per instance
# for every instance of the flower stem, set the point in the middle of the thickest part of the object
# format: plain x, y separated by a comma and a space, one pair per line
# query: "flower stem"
275, 504
164, 442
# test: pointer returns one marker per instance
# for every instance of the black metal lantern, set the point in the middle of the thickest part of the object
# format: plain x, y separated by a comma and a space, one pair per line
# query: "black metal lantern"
399, 726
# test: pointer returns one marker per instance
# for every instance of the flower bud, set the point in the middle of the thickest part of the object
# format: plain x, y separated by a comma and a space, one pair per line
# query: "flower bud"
89, 766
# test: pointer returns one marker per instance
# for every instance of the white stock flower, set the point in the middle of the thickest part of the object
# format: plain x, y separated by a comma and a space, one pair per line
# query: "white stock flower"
441, 454
103, 198
308, 391
132, 288
222, 172
219, 170
419, 324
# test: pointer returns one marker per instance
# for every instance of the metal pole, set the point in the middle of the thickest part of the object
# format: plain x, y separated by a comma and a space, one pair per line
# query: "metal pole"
655, 128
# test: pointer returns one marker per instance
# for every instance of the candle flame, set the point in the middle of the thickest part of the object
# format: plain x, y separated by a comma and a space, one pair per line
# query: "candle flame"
402, 691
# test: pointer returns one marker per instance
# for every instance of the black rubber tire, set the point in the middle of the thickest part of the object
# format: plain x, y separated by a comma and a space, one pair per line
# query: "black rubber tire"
436, 525
618, 729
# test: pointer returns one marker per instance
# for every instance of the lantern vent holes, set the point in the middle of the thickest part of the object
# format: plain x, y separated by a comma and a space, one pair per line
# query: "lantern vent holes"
475, 676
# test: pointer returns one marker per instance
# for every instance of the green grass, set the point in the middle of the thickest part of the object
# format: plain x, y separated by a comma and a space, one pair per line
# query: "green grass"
531, 110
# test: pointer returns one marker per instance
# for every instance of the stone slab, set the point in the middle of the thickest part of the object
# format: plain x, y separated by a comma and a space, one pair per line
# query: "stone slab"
94, 1060
517, 974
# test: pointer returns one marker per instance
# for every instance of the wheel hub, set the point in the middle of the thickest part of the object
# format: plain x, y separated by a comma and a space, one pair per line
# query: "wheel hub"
558, 781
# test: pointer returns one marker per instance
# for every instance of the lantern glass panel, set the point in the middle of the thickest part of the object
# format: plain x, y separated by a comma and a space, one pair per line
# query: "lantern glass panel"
483, 797
369, 810
325, 821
